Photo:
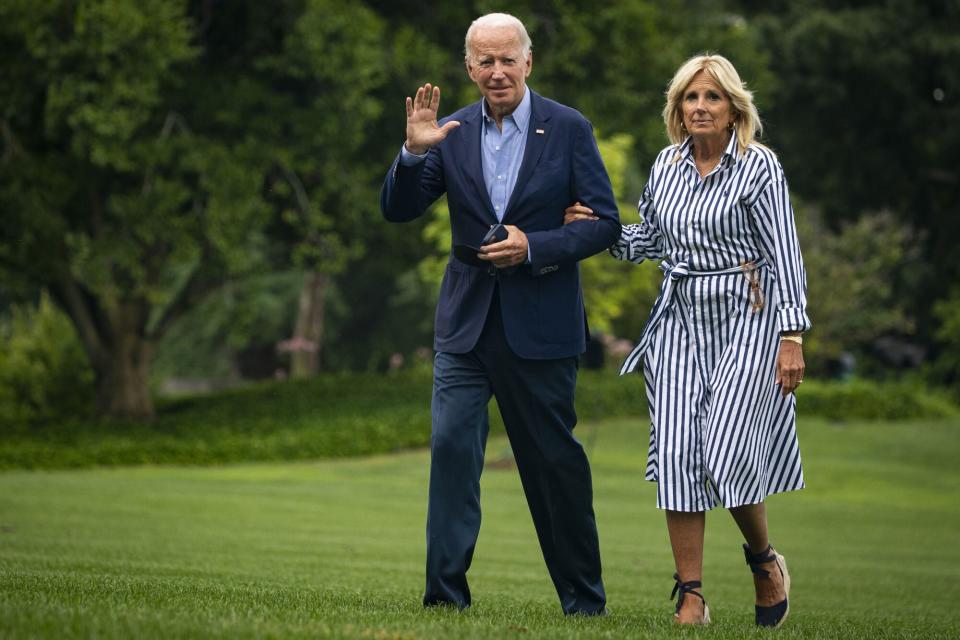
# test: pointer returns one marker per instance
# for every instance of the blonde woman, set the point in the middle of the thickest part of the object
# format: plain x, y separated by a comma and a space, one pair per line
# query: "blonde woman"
721, 352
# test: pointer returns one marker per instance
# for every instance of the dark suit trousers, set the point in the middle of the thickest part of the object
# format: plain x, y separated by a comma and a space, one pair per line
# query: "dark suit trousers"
536, 401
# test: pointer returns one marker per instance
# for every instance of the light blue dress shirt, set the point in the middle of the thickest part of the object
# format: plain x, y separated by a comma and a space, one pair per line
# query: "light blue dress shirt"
503, 152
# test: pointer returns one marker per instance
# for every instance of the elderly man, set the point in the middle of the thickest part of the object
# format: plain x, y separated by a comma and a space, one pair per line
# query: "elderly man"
510, 320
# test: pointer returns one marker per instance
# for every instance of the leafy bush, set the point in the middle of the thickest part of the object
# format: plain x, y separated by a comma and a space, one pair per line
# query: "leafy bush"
946, 368
857, 278
869, 400
360, 414
44, 373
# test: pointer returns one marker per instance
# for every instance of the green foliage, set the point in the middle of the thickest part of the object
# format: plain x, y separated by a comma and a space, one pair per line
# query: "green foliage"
104, 63
871, 400
613, 61
152, 151
338, 415
329, 416
44, 373
859, 279
112, 199
848, 72
318, 86
947, 365
250, 311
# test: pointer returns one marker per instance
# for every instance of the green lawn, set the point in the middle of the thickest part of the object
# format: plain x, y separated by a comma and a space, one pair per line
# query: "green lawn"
335, 548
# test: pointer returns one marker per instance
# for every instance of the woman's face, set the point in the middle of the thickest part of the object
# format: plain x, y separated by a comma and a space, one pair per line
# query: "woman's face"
707, 111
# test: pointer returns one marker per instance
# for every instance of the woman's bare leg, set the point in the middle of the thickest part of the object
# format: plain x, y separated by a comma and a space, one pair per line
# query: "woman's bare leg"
752, 520
686, 538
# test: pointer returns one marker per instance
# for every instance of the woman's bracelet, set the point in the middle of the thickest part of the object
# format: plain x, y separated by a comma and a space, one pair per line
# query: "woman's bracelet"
797, 339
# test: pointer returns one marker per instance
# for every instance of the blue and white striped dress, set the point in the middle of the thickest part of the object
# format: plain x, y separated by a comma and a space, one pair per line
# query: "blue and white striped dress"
721, 432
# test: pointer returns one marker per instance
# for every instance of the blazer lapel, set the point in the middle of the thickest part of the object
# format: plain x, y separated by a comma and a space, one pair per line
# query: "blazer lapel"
472, 129
537, 132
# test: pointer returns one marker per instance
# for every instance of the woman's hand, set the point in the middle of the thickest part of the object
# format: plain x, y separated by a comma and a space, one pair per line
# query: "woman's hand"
577, 211
790, 366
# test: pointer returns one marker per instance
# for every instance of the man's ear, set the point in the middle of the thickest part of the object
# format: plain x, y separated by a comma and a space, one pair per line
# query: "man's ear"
529, 63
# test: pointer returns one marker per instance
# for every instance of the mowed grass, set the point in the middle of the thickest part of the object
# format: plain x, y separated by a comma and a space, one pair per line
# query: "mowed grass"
335, 548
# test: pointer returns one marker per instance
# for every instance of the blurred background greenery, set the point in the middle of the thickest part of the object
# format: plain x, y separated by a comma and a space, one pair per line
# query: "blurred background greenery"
189, 190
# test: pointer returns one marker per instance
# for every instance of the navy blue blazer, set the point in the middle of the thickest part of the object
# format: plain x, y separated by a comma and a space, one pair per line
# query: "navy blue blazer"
541, 303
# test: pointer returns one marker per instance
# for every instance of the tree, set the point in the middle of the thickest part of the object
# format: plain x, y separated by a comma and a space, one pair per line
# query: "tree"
297, 80
866, 102
112, 200
852, 275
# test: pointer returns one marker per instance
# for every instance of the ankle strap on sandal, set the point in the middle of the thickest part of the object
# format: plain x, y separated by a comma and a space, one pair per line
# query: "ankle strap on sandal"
683, 588
754, 559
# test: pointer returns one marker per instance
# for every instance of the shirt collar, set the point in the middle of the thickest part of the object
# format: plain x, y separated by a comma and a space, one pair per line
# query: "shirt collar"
520, 115
730, 154
732, 148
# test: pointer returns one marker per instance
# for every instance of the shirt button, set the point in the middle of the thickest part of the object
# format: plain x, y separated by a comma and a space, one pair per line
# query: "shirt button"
499, 177
498, 148
497, 207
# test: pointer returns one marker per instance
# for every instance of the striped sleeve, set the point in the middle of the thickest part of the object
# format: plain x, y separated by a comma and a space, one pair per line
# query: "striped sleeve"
639, 242
773, 214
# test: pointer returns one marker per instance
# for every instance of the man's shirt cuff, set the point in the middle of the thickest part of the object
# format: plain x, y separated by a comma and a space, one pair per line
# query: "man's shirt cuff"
409, 159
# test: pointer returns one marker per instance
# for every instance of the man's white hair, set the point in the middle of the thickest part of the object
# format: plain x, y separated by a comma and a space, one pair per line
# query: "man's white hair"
497, 20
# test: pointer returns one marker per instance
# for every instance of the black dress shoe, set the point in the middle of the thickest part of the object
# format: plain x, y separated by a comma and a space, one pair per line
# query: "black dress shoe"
445, 604
602, 613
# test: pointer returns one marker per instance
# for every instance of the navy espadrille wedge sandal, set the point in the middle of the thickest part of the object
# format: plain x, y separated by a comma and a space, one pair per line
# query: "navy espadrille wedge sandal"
774, 615
684, 588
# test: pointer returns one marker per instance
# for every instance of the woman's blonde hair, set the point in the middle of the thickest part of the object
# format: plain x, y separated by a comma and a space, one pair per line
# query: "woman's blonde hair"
746, 118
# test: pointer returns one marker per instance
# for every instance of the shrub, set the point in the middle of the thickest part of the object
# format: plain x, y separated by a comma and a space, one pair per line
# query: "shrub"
947, 365
868, 400
857, 277
44, 372
361, 414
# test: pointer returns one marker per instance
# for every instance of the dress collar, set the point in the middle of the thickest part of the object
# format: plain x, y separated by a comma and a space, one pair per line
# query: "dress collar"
730, 155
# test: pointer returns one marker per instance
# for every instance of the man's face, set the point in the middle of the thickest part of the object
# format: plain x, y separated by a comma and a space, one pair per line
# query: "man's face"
498, 67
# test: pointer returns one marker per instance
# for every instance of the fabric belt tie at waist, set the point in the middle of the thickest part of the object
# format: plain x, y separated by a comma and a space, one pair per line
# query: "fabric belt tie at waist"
671, 274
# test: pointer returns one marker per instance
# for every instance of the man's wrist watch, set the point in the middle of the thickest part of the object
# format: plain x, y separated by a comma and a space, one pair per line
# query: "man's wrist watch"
797, 339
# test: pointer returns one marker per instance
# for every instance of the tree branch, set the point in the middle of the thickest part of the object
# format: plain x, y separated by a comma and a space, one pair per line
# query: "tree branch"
81, 307
173, 121
12, 147
192, 289
303, 202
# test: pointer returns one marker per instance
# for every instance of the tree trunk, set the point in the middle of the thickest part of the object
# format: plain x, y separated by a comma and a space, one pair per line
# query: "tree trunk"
308, 333
123, 365
123, 380
118, 347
